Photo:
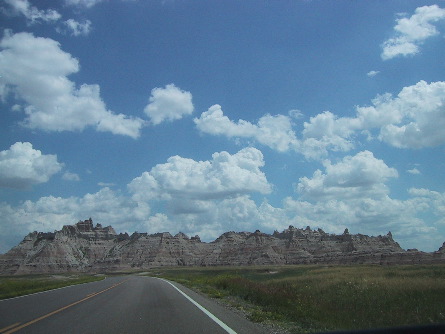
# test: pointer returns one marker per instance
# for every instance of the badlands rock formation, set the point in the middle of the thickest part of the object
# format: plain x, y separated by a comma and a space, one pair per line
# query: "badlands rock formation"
84, 247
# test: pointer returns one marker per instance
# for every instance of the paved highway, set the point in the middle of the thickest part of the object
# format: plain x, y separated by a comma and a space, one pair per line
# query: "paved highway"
126, 304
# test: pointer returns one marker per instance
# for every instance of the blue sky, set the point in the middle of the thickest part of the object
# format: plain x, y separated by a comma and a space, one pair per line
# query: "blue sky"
210, 116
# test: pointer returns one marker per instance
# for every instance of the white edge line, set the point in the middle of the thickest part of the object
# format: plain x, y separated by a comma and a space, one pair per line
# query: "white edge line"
203, 309
36, 293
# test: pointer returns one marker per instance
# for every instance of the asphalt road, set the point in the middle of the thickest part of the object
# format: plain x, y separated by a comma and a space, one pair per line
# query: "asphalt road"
126, 304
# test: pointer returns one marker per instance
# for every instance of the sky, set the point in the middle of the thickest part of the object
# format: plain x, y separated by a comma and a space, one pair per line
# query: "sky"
208, 116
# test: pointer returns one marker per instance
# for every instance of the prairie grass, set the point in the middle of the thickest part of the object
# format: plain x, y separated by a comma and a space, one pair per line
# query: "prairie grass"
13, 286
318, 298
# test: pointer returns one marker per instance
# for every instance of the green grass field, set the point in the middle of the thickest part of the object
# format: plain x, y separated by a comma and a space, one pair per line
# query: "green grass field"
13, 286
307, 299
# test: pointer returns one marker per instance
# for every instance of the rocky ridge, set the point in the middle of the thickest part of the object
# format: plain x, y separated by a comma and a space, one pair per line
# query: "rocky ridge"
84, 247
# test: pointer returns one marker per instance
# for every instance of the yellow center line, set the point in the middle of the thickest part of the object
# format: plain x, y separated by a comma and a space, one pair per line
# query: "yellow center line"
9, 327
13, 330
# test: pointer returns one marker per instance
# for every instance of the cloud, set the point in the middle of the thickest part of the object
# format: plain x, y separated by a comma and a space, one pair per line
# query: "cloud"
372, 73
168, 104
87, 3
106, 184
295, 113
75, 28
50, 213
322, 133
349, 194
239, 213
204, 197
412, 32
185, 182
326, 131
31, 13
67, 176
83, 3
361, 175
353, 194
433, 200
414, 171
159, 223
219, 216
214, 122
273, 131
372, 216
36, 70
413, 119
365, 215
201, 197
22, 166
230, 214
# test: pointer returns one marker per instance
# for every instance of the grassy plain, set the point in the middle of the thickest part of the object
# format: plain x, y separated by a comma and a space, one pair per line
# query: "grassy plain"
306, 299
13, 286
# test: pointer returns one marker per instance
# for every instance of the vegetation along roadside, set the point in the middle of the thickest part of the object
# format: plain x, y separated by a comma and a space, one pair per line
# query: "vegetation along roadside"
13, 286
304, 299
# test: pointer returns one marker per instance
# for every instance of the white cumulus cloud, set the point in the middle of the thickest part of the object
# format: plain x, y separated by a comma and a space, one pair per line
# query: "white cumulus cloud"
360, 175
83, 3
322, 133
75, 28
31, 13
414, 171
36, 69
412, 32
348, 194
184, 180
168, 104
50, 213
433, 200
353, 194
21, 166
326, 131
372, 216
68, 176
413, 119
273, 131
204, 197
372, 73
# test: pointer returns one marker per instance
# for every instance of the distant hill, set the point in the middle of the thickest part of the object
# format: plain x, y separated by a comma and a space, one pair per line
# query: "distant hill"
84, 247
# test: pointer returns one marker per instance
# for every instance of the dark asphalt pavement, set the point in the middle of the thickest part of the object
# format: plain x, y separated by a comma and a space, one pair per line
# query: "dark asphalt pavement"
125, 304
